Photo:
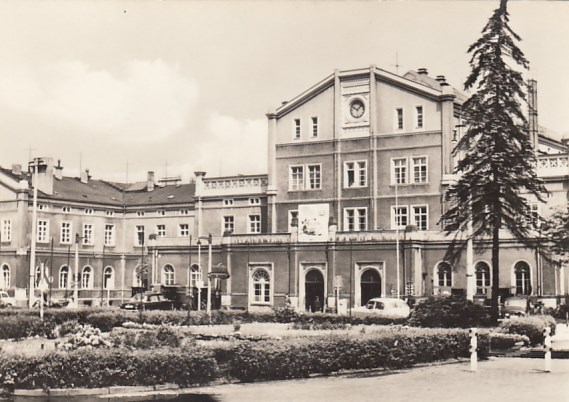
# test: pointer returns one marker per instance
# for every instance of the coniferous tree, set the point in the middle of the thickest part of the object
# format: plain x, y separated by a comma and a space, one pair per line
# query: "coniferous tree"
497, 154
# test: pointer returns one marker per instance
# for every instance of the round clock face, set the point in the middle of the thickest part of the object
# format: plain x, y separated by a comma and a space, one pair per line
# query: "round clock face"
357, 109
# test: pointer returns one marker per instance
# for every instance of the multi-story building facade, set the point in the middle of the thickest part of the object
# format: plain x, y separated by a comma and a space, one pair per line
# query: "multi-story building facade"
349, 210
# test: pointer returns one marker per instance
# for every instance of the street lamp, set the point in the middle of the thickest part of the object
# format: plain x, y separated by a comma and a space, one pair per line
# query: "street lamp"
209, 241
76, 274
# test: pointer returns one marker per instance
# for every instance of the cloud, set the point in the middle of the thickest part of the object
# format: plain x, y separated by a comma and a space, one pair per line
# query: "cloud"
236, 146
146, 101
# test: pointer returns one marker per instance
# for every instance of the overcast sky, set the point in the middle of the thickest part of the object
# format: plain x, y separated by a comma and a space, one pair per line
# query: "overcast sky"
185, 85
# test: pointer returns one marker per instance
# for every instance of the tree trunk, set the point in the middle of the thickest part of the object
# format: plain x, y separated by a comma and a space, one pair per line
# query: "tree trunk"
495, 312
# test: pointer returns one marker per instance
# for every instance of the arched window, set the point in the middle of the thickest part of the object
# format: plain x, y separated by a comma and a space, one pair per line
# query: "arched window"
444, 274
195, 275
109, 278
523, 280
482, 271
5, 276
87, 278
64, 277
261, 286
168, 275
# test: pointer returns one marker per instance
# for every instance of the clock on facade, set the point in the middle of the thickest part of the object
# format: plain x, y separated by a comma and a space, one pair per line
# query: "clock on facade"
357, 109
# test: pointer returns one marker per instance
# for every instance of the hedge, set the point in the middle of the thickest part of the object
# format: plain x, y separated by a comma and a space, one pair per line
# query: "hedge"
449, 312
27, 322
92, 368
278, 360
531, 326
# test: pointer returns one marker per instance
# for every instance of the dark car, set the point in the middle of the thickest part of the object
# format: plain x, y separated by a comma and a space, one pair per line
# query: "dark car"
148, 301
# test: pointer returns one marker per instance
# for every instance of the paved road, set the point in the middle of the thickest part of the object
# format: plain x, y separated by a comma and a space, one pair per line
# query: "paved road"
498, 379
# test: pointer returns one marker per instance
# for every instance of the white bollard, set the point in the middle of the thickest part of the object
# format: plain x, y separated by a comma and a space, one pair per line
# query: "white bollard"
547, 347
473, 332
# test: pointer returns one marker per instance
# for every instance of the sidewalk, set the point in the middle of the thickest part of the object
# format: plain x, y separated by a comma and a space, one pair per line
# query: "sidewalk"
497, 379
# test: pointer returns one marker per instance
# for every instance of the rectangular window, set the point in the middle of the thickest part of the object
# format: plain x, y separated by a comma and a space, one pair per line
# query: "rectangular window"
314, 177
65, 235
419, 169
43, 231
355, 219
184, 230
255, 201
66, 210
420, 217
228, 202
534, 214
297, 178
109, 235
296, 129
184, 211
419, 117
355, 174
88, 233
399, 172
139, 235
89, 211
161, 230
228, 224
6, 230
315, 127
254, 223
292, 219
399, 118
399, 216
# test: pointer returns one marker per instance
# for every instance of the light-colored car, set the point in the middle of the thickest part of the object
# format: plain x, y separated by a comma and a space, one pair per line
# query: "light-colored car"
516, 306
385, 306
6, 300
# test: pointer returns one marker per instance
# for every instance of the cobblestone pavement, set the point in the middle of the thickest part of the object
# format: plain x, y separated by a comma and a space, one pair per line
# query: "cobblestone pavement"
497, 379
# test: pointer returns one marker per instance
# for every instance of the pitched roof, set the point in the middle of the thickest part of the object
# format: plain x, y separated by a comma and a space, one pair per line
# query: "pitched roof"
118, 194
433, 83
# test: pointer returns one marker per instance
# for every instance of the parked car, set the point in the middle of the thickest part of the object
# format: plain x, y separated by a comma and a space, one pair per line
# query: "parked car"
148, 301
516, 306
385, 306
6, 300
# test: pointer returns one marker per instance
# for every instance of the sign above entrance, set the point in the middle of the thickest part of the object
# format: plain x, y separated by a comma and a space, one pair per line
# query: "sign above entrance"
313, 222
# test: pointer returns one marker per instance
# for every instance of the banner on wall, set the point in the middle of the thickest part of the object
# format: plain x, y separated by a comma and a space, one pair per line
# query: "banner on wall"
313, 222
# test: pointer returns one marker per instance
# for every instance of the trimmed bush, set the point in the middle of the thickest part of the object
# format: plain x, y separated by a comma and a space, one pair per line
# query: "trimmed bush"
499, 341
91, 368
531, 326
449, 312
392, 350
12, 326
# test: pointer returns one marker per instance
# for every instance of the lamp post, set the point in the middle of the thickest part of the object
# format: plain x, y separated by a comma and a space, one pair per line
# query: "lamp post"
199, 284
408, 229
76, 273
34, 165
209, 239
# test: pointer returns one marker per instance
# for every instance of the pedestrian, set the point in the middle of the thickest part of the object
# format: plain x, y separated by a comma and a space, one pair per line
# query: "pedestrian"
317, 304
287, 300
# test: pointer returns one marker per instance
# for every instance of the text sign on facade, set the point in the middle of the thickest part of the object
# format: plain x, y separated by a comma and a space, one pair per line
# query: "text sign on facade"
313, 222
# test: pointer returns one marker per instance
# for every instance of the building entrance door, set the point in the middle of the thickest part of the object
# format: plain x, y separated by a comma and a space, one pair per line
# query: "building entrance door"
370, 285
314, 291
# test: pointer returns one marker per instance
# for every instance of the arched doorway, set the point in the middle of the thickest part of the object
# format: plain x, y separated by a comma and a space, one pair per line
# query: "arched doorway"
313, 288
370, 285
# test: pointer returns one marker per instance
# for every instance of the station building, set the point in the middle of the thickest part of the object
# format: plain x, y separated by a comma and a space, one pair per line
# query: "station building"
348, 210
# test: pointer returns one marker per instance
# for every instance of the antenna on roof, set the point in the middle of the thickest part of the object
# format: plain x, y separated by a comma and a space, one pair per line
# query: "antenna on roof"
396, 65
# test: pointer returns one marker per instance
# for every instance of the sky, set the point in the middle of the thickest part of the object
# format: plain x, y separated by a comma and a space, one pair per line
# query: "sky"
126, 87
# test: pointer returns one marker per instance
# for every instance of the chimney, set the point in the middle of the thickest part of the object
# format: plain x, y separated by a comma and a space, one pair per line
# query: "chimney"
422, 71
17, 169
45, 173
150, 181
85, 176
58, 170
441, 79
